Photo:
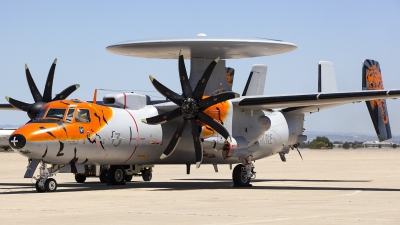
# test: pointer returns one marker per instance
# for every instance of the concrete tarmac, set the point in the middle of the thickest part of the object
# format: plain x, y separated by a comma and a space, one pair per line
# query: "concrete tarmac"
328, 187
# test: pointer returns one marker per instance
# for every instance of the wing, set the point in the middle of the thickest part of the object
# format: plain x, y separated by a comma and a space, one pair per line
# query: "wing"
310, 102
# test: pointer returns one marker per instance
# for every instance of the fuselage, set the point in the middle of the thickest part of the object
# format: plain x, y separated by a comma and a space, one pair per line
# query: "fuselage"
85, 133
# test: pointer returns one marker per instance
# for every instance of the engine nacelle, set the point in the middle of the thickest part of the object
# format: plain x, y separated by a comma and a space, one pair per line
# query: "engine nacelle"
213, 143
264, 123
237, 148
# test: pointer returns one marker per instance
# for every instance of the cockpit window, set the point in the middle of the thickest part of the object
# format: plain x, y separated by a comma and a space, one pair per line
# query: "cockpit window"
70, 114
55, 114
82, 115
41, 113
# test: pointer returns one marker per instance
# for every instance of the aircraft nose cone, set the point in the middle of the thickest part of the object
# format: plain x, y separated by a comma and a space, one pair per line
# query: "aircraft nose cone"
17, 141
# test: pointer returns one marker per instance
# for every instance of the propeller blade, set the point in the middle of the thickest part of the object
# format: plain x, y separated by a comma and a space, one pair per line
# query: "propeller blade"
186, 89
197, 143
214, 125
18, 104
49, 83
166, 92
174, 140
212, 100
66, 92
162, 118
201, 85
32, 86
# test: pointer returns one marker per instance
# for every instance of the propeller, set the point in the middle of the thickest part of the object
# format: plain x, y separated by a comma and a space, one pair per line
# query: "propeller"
33, 109
191, 109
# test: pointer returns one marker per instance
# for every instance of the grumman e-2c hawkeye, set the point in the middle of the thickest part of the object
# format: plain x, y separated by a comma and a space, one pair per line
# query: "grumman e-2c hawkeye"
206, 124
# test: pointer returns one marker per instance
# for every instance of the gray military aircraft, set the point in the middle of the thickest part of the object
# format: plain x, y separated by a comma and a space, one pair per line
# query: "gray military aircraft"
130, 133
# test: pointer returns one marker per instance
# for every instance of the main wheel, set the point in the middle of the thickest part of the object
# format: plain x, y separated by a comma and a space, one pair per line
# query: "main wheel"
50, 185
80, 178
103, 176
39, 188
116, 175
128, 178
147, 175
239, 176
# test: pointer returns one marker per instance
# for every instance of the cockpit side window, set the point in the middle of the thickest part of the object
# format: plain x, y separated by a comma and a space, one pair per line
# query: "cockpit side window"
55, 114
41, 114
82, 115
70, 114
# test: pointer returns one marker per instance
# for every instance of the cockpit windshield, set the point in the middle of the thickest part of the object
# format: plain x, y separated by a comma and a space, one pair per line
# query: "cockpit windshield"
82, 115
55, 114
70, 114
41, 114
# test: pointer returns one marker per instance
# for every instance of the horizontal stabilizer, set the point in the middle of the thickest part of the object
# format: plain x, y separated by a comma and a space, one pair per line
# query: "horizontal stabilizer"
284, 101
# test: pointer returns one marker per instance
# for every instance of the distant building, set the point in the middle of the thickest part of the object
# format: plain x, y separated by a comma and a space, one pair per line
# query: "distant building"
375, 144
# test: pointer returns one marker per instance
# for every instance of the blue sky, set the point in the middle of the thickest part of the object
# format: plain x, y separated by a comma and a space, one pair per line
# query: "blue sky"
77, 33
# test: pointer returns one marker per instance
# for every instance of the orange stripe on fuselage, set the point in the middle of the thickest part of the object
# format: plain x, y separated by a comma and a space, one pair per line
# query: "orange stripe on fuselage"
218, 112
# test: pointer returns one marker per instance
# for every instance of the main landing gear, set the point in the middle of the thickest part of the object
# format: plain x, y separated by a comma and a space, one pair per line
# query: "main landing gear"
118, 175
243, 173
43, 181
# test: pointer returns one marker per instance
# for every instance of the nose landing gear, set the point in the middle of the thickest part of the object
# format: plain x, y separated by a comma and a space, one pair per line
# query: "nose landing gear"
43, 181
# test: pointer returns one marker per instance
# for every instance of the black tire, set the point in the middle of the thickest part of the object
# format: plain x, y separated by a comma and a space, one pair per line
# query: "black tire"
128, 178
116, 175
80, 178
147, 175
38, 188
239, 176
50, 185
103, 176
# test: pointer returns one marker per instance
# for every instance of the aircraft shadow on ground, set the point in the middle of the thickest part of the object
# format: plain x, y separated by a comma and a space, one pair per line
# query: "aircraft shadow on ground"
274, 180
189, 184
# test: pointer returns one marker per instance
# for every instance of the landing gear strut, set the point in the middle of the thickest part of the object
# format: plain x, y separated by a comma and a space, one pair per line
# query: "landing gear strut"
242, 173
43, 181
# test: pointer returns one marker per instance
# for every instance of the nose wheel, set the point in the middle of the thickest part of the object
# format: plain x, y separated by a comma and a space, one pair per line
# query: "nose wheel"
43, 181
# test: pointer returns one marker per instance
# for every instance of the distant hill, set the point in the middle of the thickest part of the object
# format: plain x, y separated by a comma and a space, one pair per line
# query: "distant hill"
349, 137
9, 126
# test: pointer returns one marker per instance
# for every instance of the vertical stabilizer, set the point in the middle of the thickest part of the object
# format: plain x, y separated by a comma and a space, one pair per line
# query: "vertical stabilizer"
326, 77
230, 74
256, 81
372, 80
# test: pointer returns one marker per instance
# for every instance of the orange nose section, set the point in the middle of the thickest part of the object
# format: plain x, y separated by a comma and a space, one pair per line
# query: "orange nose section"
41, 132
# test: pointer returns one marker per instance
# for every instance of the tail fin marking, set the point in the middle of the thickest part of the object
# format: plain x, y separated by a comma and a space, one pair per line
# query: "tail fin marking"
372, 80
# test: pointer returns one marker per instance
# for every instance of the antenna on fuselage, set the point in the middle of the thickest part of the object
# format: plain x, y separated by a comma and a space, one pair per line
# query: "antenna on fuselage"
94, 96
